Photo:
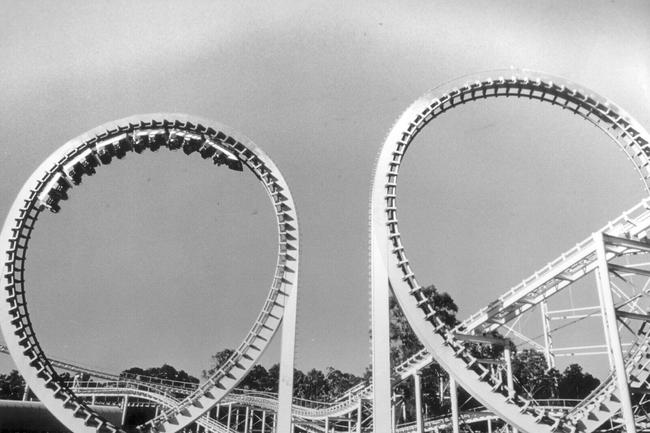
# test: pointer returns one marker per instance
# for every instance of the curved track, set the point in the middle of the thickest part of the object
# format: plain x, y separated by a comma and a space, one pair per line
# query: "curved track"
391, 266
50, 184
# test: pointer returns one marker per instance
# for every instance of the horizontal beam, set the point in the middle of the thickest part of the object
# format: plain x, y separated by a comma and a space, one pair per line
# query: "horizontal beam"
619, 268
636, 390
625, 242
483, 339
635, 316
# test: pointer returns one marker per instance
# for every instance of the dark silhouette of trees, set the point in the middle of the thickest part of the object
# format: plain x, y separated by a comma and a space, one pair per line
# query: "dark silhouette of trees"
165, 372
574, 383
12, 386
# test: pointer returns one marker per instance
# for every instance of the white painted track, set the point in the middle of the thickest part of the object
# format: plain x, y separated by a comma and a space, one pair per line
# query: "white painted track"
77, 159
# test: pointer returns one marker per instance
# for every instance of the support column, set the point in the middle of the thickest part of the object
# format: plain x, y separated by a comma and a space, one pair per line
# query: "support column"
287, 350
489, 425
509, 380
548, 339
26, 393
419, 422
327, 425
229, 415
125, 404
453, 396
263, 421
247, 414
359, 415
609, 316
380, 326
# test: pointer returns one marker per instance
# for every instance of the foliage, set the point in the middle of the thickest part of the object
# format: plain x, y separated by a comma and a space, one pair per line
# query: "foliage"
12, 386
576, 384
532, 375
313, 385
165, 372
403, 341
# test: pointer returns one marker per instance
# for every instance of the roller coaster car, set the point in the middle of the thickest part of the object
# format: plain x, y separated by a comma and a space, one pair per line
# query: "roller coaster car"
121, 144
58, 187
191, 143
82, 164
140, 141
174, 140
50, 202
207, 149
157, 138
104, 155
117, 146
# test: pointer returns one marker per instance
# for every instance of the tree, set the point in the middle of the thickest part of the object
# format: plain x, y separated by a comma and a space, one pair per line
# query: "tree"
258, 378
576, 384
12, 386
165, 372
339, 382
216, 361
403, 341
533, 376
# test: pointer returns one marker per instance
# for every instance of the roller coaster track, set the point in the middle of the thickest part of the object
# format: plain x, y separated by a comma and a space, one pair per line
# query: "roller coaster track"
572, 265
390, 266
632, 223
50, 184
264, 401
134, 389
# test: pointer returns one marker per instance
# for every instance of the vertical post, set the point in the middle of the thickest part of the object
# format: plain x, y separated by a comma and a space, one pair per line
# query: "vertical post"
608, 343
125, 404
92, 399
287, 350
229, 415
419, 423
263, 421
26, 393
380, 322
453, 396
359, 415
609, 316
247, 413
327, 425
509, 381
489, 425
548, 339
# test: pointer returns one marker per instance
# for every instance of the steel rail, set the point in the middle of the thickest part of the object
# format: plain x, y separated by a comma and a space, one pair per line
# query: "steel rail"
388, 251
50, 183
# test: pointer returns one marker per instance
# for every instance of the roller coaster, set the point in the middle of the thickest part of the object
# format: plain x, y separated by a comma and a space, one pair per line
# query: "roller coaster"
615, 255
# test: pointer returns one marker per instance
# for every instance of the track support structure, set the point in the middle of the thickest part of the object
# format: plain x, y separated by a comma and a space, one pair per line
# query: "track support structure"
613, 338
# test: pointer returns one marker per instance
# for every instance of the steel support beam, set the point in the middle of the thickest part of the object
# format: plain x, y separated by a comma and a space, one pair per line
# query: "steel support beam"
287, 351
453, 396
609, 316
548, 338
419, 422
380, 324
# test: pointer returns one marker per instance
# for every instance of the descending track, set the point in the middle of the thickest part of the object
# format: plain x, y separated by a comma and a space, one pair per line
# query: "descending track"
391, 266
50, 184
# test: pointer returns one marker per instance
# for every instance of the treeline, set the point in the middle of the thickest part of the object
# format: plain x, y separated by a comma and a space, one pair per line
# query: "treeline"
532, 376
313, 385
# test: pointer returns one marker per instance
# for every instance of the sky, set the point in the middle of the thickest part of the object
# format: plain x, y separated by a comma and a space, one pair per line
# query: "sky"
162, 258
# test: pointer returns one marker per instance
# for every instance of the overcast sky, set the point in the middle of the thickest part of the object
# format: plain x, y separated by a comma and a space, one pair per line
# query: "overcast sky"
165, 258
